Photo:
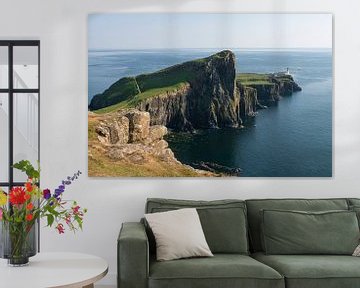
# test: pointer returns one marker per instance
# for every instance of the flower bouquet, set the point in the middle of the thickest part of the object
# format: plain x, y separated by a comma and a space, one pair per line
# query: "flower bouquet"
21, 208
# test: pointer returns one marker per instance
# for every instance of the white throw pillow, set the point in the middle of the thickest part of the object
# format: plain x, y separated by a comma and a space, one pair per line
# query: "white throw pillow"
178, 234
357, 251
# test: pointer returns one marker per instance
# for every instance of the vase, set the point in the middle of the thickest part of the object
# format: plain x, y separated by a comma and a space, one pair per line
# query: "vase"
18, 242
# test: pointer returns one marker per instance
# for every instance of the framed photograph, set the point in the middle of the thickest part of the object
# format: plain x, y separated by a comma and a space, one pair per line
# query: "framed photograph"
210, 95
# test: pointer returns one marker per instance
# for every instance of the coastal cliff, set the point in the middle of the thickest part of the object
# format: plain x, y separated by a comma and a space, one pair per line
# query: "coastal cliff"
193, 95
124, 143
199, 94
248, 102
269, 87
169, 108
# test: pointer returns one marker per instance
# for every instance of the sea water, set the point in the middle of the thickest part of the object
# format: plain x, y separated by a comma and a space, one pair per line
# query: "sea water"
292, 138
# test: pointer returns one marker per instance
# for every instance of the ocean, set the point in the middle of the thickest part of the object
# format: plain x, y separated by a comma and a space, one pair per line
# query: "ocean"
292, 138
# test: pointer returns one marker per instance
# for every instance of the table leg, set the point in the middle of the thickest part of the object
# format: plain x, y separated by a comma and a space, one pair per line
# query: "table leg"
89, 286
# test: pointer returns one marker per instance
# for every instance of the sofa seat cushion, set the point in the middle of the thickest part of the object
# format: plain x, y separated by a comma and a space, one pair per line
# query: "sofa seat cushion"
222, 270
314, 271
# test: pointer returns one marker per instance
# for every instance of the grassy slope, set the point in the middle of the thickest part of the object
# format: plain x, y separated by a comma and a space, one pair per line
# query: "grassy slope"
129, 91
248, 79
102, 166
133, 101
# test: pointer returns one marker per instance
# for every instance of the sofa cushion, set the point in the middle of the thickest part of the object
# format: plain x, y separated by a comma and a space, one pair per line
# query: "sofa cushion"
255, 206
178, 234
314, 271
356, 209
222, 270
297, 232
223, 221
353, 201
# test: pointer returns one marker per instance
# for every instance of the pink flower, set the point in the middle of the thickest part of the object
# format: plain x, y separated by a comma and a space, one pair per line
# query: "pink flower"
60, 228
76, 210
1, 214
68, 219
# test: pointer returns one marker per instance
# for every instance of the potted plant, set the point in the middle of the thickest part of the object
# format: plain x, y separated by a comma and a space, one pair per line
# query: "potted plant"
21, 208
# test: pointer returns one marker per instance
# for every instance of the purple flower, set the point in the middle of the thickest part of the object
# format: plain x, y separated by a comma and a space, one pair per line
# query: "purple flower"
46, 194
58, 192
64, 183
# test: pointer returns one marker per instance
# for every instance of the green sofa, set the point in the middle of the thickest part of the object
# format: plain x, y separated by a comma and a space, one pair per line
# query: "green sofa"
233, 230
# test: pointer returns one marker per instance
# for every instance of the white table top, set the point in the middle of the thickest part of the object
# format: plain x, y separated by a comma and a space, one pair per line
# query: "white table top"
45, 270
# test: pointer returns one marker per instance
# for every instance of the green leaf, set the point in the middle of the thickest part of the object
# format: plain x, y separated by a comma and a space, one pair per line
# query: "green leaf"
26, 167
50, 219
53, 211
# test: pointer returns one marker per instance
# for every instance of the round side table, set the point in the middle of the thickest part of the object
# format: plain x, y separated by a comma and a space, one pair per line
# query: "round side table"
50, 270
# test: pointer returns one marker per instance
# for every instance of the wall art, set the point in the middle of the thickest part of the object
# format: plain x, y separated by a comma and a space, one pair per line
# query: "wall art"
208, 95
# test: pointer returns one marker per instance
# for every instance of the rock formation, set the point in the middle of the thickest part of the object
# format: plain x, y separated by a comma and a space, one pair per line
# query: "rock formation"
127, 135
207, 100
169, 108
269, 87
248, 102
123, 143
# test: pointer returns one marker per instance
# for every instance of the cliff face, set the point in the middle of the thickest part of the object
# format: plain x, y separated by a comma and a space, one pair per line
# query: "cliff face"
208, 100
204, 93
213, 101
248, 102
286, 85
169, 109
269, 87
267, 92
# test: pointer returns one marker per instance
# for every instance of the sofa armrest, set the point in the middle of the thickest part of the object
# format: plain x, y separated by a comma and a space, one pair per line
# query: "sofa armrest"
133, 256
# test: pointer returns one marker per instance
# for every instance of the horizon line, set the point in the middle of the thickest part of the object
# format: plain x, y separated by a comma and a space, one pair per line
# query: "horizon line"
213, 48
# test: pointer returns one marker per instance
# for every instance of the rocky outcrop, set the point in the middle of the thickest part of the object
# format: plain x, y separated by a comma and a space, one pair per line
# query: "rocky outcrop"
217, 168
272, 89
127, 135
113, 130
124, 143
286, 85
139, 125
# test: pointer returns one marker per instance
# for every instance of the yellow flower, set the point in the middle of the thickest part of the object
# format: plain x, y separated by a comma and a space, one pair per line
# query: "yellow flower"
3, 198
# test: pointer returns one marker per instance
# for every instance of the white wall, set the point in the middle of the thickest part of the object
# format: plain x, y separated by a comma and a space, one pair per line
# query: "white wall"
62, 28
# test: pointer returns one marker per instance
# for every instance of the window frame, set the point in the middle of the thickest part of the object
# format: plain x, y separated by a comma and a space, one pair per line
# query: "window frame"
10, 91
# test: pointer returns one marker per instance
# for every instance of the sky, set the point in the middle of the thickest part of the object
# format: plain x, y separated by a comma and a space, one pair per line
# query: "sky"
194, 30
